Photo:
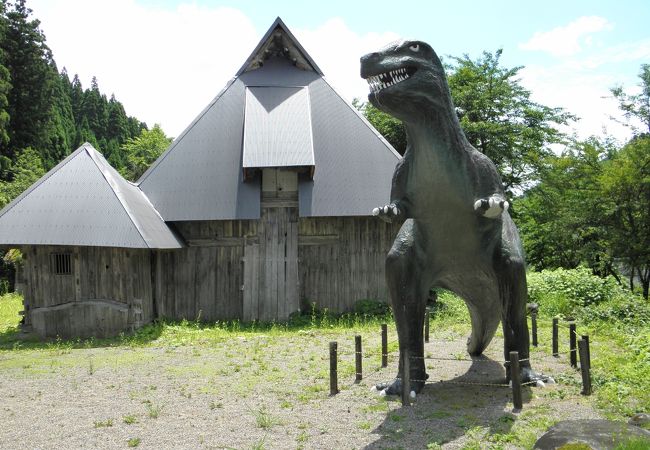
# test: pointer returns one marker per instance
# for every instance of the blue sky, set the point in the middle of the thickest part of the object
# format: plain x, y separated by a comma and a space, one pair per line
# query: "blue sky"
170, 58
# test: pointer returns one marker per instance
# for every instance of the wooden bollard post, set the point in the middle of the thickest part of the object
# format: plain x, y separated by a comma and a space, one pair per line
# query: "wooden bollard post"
406, 378
585, 369
334, 388
358, 355
555, 337
426, 326
533, 322
573, 347
515, 379
384, 345
585, 337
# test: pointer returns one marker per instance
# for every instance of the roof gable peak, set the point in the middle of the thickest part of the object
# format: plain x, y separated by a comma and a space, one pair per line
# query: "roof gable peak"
278, 41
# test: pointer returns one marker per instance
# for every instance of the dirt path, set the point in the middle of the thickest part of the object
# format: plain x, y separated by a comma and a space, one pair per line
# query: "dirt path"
258, 391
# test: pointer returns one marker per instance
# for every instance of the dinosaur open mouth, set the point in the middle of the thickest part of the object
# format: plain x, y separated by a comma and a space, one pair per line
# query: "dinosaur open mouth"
390, 78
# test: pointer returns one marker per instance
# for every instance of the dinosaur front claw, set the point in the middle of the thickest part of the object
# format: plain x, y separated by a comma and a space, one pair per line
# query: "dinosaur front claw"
491, 207
387, 212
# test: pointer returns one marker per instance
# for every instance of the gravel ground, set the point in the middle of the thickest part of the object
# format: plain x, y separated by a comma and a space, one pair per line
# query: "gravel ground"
259, 391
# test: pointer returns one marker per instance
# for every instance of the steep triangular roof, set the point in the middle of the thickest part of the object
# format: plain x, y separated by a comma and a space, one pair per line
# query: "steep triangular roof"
289, 105
278, 41
84, 201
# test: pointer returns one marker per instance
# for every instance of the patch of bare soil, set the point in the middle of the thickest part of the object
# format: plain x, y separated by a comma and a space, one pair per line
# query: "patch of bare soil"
257, 391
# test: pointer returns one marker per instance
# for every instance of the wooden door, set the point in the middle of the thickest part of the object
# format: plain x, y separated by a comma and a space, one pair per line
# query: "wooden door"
271, 290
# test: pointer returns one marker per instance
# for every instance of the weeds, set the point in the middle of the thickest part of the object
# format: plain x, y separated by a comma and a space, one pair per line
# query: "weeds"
263, 419
103, 423
154, 410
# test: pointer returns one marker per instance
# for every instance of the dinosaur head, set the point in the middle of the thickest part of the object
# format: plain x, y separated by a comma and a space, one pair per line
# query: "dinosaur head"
407, 81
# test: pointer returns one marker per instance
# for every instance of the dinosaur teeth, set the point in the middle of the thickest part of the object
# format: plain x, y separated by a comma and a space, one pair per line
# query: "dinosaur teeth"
388, 79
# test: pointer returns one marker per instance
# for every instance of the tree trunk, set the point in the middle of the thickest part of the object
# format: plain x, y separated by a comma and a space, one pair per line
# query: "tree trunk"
644, 276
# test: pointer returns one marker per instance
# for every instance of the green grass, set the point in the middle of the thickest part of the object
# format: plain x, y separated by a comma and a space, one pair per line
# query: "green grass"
10, 304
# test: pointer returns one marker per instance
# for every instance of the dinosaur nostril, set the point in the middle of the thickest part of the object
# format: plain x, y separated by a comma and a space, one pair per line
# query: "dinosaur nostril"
374, 55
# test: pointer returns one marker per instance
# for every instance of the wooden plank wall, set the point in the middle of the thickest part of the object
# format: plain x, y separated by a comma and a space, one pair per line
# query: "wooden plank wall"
204, 280
341, 260
102, 279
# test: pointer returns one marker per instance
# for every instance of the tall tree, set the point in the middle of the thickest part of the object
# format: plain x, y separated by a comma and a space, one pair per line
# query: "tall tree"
636, 106
30, 63
5, 85
500, 120
143, 150
626, 192
562, 219
27, 169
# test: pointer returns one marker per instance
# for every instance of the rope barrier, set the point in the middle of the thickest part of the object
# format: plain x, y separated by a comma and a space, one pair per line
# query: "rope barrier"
512, 363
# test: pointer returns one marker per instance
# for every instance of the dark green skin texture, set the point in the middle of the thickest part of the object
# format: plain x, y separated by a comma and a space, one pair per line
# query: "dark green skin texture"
444, 242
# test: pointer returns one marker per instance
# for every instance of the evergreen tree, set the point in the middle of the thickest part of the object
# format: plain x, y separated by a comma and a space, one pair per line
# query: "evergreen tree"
30, 63
76, 99
61, 127
5, 85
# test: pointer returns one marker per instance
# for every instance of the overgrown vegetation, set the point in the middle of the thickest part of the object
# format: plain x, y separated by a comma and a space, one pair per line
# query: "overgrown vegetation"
618, 322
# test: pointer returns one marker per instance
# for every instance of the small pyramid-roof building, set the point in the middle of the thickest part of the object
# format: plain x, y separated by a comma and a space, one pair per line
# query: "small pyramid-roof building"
84, 201
278, 111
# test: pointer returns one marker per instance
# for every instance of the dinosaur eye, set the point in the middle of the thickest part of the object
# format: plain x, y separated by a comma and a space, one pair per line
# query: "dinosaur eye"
415, 47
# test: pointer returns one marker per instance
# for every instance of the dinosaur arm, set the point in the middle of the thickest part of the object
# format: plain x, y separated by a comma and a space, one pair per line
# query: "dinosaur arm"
398, 193
490, 200
400, 205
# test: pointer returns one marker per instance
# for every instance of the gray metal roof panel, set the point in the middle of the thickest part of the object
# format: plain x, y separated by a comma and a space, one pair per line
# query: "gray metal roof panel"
75, 204
278, 72
200, 176
277, 128
144, 216
354, 164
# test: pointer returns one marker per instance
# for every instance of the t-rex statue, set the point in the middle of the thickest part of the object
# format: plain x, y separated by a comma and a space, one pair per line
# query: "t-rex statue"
457, 233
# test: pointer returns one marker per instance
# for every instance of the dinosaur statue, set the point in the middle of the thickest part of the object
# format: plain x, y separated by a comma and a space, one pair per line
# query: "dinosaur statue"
457, 233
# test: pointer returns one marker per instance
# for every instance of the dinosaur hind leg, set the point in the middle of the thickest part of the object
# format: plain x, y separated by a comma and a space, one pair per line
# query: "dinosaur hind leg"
407, 285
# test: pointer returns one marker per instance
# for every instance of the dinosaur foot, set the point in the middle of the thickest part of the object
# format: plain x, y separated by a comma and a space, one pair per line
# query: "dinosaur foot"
395, 387
528, 375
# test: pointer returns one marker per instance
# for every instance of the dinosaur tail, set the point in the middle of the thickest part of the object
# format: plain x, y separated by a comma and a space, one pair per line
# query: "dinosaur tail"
484, 325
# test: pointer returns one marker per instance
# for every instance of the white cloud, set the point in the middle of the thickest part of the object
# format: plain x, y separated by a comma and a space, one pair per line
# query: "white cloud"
166, 65
337, 49
567, 40
585, 94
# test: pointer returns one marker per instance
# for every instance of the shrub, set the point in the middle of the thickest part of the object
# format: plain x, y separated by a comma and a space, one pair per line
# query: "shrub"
566, 290
622, 307
371, 307
576, 292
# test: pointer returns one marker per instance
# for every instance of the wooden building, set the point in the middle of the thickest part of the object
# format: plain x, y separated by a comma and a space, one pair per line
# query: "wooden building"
259, 208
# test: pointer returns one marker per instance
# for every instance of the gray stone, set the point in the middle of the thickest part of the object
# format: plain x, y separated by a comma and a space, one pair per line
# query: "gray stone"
597, 434
640, 420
